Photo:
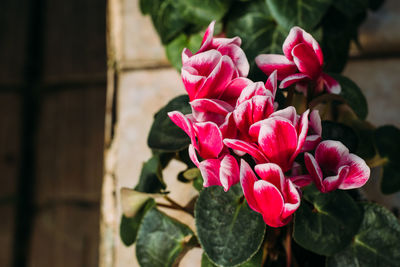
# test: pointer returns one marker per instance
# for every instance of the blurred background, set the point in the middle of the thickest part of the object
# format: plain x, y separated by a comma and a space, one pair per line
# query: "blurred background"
80, 81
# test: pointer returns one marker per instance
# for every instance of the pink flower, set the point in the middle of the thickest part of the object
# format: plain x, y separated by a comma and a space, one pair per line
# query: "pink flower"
314, 132
218, 167
280, 138
207, 73
334, 167
274, 196
302, 62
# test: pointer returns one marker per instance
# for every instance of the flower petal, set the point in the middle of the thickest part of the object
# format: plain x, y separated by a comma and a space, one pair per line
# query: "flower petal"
301, 180
271, 173
270, 201
306, 61
234, 89
289, 80
271, 62
292, 199
207, 38
332, 86
238, 57
209, 169
358, 174
278, 141
247, 180
229, 172
184, 123
193, 155
333, 182
214, 110
246, 147
329, 154
314, 170
272, 83
209, 139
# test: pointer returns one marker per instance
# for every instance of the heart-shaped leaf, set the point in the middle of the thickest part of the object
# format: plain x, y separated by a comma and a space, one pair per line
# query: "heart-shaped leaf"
164, 134
255, 261
175, 47
326, 223
376, 244
387, 140
228, 230
306, 14
161, 240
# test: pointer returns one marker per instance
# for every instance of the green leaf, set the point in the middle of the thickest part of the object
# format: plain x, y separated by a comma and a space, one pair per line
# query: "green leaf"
306, 14
175, 47
365, 134
166, 18
353, 95
130, 225
326, 223
340, 132
387, 139
255, 261
202, 12
376, 243
228, 230
351, 8
151, 180
164, 134
260, 34
161, 240
132, 201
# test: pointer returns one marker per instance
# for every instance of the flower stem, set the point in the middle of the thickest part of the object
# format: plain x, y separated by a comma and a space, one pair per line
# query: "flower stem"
288, 246
177, 206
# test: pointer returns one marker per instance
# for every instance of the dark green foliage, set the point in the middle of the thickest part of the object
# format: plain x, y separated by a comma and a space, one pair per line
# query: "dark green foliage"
228, 230
375, 245
255, 261
175, 47
164, 134
161, 240
387, 139
340, 132
326, 223
150, 180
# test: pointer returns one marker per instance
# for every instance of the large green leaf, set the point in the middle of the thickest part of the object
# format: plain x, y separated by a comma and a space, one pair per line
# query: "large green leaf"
255, 261
340, 132
161, 240
130, 225
387, 140
202, 12
150, 180
326, 223
164, 134
351, 8
167, 19
175, 47
353, 95
260, 34
228, 230
306, 14
376, 243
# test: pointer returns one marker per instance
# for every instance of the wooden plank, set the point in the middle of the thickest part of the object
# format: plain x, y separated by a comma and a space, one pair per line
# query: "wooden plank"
75, 44
10, 121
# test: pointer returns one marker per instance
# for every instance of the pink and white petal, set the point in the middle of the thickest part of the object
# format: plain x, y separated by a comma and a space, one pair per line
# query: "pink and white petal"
278, 141
268, 63
314, 170
246, 147
332, 86
243, 116
333, 182
288, 113
315, 122
229, 172
234, 89
226, 41
262, 106
209, 139
209, 169
185, 124
204, 63
298, 35
269, 200
214, 110
301, 180
272, 83
302, 129
216, 82
238, 57
186, 54
329, 154
193, 155
292, 199
192, 82
358, 174
247, 180
207, 38
247, 93
297, 77
306, 61
311, 142
271, 173
228, 127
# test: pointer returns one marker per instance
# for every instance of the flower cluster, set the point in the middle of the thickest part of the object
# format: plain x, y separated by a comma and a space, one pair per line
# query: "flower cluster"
238, 132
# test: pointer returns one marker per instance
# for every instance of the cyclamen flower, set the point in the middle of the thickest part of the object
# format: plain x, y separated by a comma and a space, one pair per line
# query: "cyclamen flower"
301, 63
334, 167
218, 61
274, 196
